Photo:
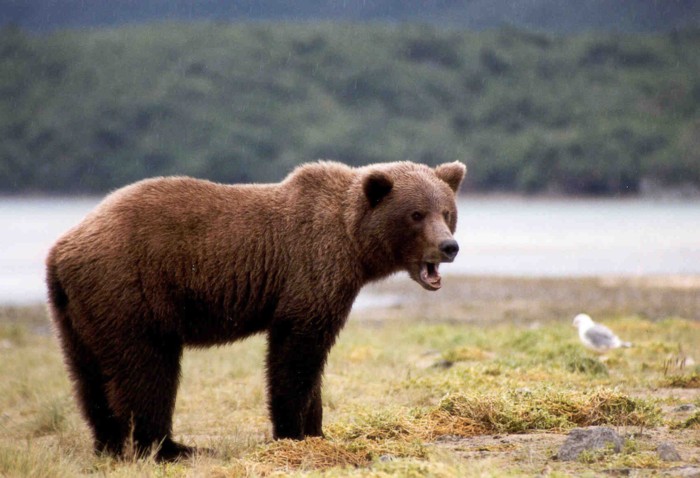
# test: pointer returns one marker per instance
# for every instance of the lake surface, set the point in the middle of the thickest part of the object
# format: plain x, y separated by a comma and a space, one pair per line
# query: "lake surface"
497, 236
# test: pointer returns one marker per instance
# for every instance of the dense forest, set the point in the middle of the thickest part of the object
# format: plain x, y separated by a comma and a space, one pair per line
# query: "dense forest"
87, 111
561, 16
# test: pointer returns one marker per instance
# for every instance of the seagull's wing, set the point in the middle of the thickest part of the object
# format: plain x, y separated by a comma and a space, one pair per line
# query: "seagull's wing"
601, 337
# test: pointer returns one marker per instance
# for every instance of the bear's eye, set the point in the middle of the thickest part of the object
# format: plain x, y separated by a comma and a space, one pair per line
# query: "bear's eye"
446, 215
417, 216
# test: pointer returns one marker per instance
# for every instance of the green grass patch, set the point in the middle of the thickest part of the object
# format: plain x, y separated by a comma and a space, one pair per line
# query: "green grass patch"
693, 422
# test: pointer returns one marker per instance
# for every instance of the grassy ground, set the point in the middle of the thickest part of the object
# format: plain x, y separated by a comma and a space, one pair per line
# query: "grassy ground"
484, 378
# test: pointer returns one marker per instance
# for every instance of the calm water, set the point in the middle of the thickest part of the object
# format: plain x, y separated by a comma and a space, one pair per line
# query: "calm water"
496, 236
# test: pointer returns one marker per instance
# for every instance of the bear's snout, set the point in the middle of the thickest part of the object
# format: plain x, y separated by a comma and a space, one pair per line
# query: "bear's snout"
449, 249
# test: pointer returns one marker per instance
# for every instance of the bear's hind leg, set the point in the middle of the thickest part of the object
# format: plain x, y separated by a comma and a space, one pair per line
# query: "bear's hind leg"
89, 383
142, 392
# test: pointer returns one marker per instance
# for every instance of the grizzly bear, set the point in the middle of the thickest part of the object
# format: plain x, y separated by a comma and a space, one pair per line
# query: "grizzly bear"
172, 262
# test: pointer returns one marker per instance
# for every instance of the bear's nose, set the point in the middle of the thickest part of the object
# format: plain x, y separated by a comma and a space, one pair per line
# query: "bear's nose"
449, 249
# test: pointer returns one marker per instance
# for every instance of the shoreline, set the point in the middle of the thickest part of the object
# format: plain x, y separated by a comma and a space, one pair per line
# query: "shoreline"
496, 298
527, 299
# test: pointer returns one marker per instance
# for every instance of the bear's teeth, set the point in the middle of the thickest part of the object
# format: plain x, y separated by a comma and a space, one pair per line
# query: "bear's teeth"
433, 275
429, 275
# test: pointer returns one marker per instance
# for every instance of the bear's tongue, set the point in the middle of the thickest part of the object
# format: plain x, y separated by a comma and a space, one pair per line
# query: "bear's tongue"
430, 274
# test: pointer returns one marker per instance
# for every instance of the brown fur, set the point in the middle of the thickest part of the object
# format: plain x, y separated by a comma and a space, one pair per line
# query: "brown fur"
172, 262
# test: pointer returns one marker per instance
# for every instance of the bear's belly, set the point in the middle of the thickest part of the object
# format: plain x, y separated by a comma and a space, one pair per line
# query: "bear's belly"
203, 326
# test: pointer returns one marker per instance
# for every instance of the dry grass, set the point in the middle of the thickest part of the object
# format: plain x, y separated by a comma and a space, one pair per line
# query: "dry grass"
519, 412
429, 390
683, 381
310, 454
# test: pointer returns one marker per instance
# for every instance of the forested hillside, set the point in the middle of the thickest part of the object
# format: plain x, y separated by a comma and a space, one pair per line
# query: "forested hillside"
87, 111
561, 16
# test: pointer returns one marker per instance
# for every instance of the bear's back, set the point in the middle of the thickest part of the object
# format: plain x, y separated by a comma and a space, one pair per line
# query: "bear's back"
184, 246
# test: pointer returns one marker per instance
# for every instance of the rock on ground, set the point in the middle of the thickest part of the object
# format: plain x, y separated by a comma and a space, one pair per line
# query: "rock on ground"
593, 438
668, 452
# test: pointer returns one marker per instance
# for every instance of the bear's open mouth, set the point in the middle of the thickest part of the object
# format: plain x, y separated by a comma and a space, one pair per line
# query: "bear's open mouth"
429, 275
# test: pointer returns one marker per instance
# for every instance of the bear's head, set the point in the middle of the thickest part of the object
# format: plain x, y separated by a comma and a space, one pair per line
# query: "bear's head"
409, 218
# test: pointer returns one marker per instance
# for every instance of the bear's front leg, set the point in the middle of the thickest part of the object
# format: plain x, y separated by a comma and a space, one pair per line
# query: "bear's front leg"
295, 362
314, 417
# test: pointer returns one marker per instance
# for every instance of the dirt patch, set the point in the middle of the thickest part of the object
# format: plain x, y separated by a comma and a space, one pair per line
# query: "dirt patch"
537, 448
535, 453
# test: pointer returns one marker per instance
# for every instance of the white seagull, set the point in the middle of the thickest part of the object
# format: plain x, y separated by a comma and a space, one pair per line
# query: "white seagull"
596, 336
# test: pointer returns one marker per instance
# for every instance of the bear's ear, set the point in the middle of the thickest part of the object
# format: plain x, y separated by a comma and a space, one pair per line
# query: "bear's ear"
452, 174
376, 186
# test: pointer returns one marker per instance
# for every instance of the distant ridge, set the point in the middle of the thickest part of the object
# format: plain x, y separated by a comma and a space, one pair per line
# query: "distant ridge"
85, 111
558, 16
